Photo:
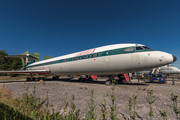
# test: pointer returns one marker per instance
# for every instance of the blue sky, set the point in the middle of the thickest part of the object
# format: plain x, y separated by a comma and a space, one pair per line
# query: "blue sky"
60, 27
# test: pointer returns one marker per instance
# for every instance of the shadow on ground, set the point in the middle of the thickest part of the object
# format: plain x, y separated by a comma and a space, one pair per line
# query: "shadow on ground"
69, 80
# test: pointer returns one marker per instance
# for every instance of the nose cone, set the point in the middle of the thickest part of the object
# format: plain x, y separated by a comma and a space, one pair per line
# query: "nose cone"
169, 58
174, 58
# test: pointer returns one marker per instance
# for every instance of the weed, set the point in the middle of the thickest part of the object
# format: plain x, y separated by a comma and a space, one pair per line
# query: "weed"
144, 89
130, 106
174, 99
150, 100
163, 115
103, 109
113, 107
27, 108
113, 82
134, 105
91, 115
43, 83
50, 105
72, 115
65, 102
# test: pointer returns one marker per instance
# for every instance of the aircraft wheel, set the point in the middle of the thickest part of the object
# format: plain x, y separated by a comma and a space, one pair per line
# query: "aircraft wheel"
108, 82
27, 79
33, 79
57, 78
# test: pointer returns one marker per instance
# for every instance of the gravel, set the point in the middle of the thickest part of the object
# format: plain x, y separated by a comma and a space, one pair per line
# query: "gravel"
59, 90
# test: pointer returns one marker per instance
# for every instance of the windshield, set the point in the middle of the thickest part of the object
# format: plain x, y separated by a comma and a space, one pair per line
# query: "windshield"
143, 48
139, 48
147, 48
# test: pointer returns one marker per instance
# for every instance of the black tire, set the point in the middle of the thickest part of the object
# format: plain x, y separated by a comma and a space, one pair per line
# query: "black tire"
33, 78
57, 78
27, 79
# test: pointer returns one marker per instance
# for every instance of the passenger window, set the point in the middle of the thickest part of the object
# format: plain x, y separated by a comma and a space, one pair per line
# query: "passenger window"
88, 56
97, 54
91, 55
139, 48
129, 49
84, 56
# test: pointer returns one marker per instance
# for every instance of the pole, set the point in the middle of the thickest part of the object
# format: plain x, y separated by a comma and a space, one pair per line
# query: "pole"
173, 81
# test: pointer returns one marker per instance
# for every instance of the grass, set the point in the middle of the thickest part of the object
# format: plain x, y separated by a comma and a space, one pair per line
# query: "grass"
13, 78
28, 108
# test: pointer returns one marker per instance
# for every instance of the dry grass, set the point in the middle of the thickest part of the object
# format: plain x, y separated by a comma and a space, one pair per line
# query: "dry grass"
29, 107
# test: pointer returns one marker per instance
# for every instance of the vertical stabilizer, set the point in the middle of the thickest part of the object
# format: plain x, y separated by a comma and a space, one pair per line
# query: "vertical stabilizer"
28, 61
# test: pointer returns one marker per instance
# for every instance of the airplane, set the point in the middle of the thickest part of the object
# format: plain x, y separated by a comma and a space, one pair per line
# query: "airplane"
166, 69
106, 60
169, 69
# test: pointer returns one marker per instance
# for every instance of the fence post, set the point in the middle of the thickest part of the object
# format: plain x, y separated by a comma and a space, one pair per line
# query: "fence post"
173, 81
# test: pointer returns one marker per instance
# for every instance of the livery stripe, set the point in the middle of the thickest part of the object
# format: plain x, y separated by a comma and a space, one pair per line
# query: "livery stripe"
93, 55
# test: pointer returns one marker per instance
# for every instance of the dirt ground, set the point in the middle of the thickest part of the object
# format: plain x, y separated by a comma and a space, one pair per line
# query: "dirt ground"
59, 90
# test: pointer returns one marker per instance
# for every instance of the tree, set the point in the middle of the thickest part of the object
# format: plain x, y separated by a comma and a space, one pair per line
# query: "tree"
9, 63
3, 60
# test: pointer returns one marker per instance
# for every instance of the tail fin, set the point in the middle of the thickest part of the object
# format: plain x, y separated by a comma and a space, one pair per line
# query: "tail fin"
28, 61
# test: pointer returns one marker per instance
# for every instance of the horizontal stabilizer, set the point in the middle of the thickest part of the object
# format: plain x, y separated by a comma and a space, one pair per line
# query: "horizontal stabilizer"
22, 56
26, 72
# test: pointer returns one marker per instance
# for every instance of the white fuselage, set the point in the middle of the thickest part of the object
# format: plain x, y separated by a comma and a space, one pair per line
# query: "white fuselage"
106, 60
169, 69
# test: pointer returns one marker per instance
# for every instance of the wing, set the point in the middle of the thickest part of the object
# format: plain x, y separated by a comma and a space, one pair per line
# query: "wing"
37, 72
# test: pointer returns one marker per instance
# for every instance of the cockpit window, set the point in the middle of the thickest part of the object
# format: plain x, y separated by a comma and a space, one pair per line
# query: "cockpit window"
139, 48
143, 48
147, 48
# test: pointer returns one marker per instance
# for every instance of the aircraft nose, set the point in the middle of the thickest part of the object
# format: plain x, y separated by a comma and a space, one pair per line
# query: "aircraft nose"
169, 58
174, 58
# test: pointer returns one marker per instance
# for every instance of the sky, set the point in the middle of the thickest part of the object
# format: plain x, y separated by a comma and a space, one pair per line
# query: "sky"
59, 27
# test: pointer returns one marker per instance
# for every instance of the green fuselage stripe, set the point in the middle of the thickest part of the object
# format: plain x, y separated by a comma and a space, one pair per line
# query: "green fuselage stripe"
93, 55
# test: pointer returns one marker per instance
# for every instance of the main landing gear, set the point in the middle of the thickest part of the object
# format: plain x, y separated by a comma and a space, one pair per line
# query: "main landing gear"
31, 78
111, 80
83, 78
87, 77
55, 77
